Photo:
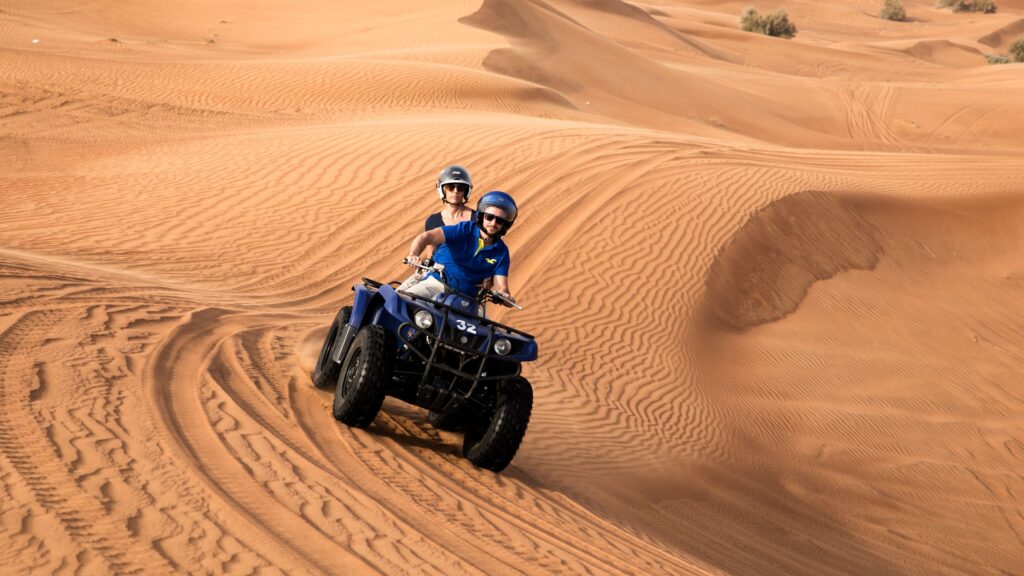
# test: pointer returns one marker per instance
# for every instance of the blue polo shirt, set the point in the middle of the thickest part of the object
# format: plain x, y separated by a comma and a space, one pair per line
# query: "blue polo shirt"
466, 262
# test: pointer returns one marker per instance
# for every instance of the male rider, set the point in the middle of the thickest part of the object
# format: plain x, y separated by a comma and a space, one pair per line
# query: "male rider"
474, 250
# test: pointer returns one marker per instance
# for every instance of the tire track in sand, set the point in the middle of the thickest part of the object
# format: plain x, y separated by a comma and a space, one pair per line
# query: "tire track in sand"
24, 444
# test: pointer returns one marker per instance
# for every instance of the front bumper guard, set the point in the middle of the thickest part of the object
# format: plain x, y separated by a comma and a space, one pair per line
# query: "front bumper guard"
436, 342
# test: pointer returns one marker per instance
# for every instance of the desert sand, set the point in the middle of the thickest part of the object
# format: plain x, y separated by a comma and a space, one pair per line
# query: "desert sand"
778, 285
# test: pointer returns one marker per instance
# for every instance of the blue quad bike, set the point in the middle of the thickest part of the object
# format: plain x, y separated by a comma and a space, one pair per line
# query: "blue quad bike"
440, 354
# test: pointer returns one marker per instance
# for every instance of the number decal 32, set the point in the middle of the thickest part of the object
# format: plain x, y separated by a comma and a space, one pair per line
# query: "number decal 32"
466, 326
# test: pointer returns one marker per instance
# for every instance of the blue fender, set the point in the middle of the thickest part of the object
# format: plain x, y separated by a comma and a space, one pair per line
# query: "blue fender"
366, 309
392, 302
368, 305
529, 352
363, 301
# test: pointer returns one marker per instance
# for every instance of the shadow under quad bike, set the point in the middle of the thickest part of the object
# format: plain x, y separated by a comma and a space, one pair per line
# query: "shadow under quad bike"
437, 353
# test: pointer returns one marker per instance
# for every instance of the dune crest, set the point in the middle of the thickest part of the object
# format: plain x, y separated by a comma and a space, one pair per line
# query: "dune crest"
1001, 38
765, 270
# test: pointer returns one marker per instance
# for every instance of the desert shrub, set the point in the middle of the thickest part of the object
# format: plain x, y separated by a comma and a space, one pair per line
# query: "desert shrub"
985, 6
775, 23
893, 10
1017, 50
997, 59
750, 21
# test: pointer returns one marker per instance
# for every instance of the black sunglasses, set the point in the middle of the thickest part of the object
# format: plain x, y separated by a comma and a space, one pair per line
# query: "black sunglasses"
452, 187
493, 218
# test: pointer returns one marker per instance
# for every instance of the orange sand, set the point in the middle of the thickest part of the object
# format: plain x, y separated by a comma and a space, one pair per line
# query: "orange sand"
778, 285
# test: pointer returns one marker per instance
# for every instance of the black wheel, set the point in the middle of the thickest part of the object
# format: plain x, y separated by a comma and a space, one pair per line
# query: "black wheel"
364, 377
326, 372
442, 421
493, 448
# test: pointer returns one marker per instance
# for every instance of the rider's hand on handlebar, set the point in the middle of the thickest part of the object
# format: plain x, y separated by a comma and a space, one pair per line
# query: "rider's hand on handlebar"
413, 261
507, 299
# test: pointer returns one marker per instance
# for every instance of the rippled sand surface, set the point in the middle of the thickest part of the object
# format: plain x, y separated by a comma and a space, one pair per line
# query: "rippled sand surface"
778, 285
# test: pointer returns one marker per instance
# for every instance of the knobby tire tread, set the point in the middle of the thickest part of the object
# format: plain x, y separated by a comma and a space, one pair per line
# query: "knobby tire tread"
495, 447
359, 408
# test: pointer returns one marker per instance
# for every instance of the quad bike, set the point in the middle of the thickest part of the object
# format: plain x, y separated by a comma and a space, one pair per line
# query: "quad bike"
440, 354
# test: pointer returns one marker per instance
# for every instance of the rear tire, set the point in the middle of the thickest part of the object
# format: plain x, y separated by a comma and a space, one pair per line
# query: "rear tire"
494, 447
364, 377
326, 372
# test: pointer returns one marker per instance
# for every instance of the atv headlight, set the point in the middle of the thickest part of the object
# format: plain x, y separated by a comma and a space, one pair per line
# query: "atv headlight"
423, 319
503, 346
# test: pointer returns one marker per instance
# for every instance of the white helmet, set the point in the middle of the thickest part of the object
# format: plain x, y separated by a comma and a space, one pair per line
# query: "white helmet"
454, 175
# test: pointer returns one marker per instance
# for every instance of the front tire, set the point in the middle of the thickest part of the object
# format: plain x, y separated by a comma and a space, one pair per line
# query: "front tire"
364, 377
494, 447
326, 372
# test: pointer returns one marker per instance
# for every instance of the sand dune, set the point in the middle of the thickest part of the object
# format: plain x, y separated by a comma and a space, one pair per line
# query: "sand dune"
777, 286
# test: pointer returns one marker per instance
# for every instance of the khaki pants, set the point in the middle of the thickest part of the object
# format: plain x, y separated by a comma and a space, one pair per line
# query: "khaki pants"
428, 287
422, 286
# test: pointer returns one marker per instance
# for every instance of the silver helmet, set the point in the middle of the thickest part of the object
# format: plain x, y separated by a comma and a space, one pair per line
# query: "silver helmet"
454, 175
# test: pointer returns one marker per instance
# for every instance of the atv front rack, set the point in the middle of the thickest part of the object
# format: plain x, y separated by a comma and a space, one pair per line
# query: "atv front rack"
375, 284
447, 362
481, 319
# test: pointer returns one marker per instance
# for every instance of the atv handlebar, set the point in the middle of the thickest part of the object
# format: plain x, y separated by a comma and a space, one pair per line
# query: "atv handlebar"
497, 298
428, 265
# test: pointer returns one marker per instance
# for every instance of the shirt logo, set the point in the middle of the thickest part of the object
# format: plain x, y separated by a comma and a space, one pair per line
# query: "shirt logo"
491, 260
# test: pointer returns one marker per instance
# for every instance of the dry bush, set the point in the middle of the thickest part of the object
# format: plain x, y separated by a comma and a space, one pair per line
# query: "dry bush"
1017, 50
750, 21
984, 6
997, 59
775, 23
893, 10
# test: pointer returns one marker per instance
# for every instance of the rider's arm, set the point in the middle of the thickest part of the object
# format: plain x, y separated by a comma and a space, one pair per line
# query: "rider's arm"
433, 237
501, 286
